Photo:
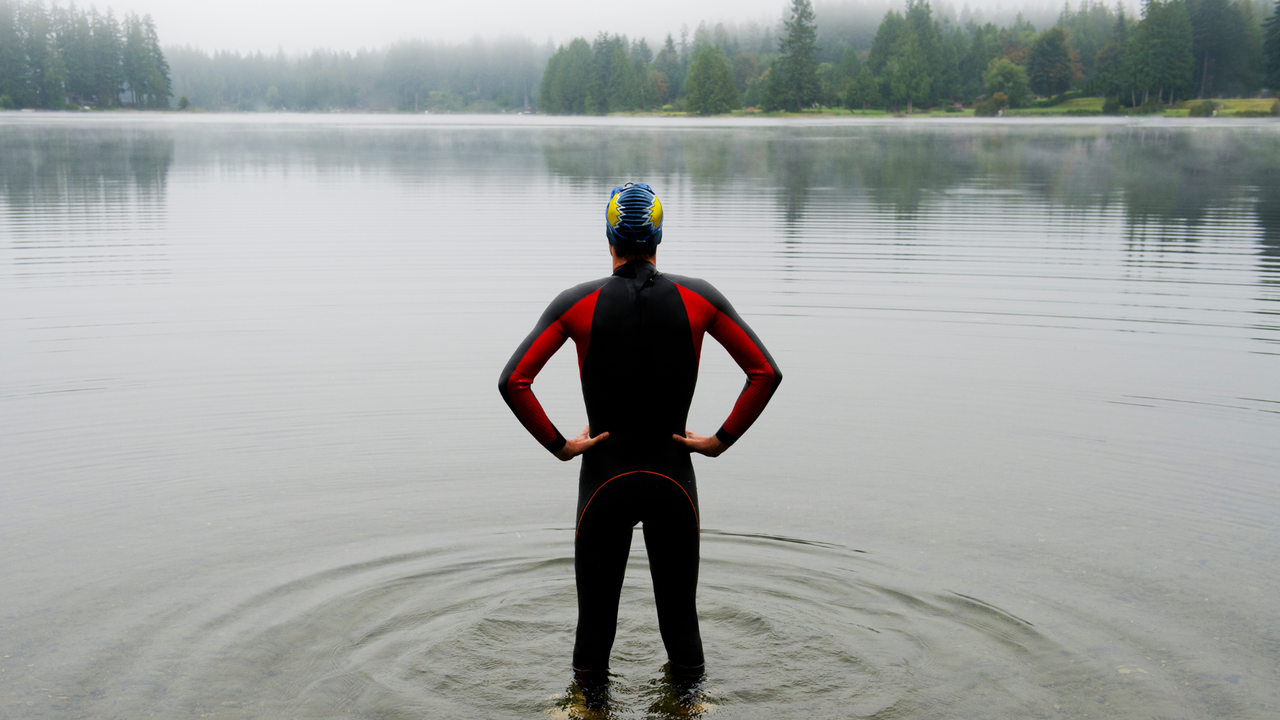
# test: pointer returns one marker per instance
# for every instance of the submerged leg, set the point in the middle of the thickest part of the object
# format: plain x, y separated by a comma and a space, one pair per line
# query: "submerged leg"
671, 538
599, 564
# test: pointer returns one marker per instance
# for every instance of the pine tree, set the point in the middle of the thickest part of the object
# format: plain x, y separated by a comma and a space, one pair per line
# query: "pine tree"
710, 89
772, 93
159, 88
1162, 58
919, 17
908, 70
44, 73
134, 60
864, 92
798, 64
846, 71
107, 56
13, 88
1271, 49
1049, 63
668, 63
565, 83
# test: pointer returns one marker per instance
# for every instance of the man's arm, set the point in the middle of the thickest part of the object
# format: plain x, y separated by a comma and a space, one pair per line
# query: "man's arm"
710, 311
565, 317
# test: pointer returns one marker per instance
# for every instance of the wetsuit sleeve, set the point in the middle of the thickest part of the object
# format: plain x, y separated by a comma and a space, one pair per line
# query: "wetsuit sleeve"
569, 315
709, 311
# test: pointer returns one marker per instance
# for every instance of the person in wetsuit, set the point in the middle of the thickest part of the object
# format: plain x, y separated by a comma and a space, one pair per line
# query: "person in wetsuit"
639, 336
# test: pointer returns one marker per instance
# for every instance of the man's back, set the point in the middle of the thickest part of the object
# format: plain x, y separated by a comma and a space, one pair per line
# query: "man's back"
639, 337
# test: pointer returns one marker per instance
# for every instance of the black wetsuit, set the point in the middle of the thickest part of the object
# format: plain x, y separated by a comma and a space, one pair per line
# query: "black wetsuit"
639, 336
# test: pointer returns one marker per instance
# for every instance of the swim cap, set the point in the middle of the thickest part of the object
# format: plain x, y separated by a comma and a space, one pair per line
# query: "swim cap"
633, 219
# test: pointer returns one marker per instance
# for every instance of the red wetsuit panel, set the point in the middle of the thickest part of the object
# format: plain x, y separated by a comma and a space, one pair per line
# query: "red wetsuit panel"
762, 376
547, 339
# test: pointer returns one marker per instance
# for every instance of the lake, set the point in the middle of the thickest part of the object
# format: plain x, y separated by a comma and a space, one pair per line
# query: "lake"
1025, 462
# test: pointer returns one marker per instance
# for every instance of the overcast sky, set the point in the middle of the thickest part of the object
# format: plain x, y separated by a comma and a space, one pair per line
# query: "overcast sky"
296, 25
302, 25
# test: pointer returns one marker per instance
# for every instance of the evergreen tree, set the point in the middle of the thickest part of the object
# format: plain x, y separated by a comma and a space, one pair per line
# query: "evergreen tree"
1088, 29
919, 17
44, 73
798, 64
773, 96
710, 89
134, 61
984, 46
885, 39
1225, 43
864, 92
908, 70
73, 49
668, 64
1162, 58
1270, 48
566, 81
1110, 70
846, 71
640, 51
107, 55
1049, 63
619, 88
13, 89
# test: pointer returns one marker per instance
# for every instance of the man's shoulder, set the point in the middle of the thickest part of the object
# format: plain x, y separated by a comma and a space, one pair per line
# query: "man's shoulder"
697, 285
570, 297
582, 290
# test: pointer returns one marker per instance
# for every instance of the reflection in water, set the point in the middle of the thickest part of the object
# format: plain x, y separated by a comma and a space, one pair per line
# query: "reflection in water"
253, 462
84, 202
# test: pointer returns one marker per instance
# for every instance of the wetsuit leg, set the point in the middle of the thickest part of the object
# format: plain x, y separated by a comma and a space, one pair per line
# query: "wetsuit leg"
671, 538
607, 513
600, 553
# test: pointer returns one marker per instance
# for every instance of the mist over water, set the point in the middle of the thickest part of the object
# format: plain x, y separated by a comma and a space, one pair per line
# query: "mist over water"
254, 464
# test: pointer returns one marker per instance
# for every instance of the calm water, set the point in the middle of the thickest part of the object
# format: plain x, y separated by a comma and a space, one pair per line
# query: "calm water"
253, 464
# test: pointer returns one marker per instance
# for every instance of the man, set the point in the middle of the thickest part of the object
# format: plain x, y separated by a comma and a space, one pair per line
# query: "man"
639, 335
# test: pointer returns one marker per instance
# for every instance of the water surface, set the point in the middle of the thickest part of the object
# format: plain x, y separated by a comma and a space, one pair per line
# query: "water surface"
254, 463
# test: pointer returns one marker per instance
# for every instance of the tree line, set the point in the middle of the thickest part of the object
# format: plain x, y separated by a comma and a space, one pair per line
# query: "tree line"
411, 75
57, 57
1175, 50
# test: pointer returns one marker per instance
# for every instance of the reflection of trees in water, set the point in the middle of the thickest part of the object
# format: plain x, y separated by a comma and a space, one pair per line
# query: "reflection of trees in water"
50, 166
1168, 179
1268, 212
80, 198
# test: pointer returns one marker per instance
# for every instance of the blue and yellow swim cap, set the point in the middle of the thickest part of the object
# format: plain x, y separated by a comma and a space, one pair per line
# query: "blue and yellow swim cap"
633, 219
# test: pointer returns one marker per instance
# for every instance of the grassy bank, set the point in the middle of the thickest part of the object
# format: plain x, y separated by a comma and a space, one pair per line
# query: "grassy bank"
1231, 107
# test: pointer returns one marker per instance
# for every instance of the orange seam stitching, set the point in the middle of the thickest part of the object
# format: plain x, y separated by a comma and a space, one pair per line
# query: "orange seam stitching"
696, 520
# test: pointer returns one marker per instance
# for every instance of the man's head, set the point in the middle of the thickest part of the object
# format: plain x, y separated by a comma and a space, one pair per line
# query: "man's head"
633, 221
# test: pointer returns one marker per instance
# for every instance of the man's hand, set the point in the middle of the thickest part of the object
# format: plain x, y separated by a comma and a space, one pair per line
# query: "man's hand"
575, 447
707, 445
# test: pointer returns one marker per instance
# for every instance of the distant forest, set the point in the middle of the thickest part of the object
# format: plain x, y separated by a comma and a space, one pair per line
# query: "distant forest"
58, 57
842, 54
1177, 49
478, 76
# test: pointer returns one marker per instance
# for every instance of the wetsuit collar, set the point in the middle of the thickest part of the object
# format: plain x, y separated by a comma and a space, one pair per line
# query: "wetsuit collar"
640, 269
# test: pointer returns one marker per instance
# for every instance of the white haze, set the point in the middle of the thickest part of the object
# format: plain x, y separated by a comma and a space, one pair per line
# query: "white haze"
300, 26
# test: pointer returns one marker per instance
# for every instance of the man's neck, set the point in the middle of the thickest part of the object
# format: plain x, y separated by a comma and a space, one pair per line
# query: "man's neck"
620, 261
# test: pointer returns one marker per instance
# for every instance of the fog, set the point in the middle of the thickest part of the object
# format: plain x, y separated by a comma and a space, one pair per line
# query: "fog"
299, 26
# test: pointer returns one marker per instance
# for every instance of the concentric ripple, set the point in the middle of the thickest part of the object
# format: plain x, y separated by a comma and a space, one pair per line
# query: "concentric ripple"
481, 625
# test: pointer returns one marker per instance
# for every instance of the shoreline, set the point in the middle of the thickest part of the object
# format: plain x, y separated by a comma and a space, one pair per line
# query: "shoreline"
1232, 110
